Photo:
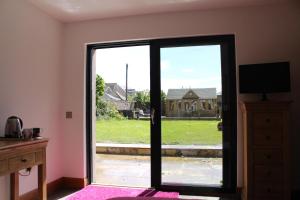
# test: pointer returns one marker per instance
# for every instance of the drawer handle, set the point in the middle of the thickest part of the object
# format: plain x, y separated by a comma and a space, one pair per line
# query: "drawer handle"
268, 120
268, 156
269, 190
23, 160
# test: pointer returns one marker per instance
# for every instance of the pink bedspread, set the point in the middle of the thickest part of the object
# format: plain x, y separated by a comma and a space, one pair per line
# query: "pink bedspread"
95, 192
144, 198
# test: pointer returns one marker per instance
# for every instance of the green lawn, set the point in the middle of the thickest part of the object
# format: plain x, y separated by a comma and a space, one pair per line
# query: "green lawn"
173, 131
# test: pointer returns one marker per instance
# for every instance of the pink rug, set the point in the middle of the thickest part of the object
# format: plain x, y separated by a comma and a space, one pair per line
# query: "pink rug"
94, 192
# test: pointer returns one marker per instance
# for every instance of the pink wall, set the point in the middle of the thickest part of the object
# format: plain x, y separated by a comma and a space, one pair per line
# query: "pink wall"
263, 34
42, 68
30, 80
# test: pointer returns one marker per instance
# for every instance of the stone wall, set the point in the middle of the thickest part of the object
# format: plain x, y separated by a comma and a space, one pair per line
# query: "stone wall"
191, 108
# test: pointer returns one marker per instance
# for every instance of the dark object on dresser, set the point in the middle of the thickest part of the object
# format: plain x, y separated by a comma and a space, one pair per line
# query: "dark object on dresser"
265, 78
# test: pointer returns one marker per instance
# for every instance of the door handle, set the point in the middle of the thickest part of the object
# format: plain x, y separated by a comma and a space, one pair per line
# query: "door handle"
152, 116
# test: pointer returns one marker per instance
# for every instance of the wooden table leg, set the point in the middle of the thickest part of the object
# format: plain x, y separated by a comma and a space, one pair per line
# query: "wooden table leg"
42, 182
14, 186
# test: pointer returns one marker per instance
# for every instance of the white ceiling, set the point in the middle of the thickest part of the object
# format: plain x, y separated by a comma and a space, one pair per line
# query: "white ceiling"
79, 10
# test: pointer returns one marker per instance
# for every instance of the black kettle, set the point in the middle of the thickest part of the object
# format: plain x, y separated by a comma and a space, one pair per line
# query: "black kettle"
13, 128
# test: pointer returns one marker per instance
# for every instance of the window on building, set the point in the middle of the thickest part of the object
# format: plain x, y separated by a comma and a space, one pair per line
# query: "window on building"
187, 106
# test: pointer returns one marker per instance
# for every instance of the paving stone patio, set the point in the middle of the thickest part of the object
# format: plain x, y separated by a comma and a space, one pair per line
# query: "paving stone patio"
134, 171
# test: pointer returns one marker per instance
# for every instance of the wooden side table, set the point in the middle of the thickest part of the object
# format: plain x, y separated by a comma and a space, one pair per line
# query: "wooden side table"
16, 154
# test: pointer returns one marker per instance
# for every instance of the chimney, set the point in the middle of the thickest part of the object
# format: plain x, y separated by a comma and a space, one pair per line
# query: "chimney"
126, 82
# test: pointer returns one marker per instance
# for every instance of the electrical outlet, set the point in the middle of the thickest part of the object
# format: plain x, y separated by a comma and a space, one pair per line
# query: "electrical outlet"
69, 114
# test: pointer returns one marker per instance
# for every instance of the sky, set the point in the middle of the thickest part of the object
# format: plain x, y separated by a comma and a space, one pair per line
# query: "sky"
181, 67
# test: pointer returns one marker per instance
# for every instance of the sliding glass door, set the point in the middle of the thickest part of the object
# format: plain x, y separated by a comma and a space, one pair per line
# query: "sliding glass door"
122, 116
192, 113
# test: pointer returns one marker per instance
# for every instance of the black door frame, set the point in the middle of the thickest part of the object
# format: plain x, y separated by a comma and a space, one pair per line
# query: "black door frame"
228, 70
229, 105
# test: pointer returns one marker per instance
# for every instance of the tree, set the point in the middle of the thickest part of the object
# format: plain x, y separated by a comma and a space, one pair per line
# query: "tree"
142, 100
104, 109
107, 110
163, 98
100, 86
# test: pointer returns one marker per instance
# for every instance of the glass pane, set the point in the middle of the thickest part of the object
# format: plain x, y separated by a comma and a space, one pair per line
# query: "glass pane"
123, 107
191, 119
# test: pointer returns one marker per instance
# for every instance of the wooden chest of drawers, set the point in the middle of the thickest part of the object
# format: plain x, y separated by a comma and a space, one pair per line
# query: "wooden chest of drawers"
266, 150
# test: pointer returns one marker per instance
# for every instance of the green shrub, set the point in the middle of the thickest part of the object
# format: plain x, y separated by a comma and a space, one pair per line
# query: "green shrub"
107, 110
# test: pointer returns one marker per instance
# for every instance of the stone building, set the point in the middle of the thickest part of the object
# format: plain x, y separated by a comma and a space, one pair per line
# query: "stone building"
219, 102
193, 102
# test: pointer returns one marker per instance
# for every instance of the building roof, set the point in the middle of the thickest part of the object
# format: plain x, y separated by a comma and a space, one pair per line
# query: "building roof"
115, 90
202, 93
115, 94
123, 105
